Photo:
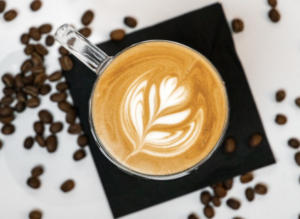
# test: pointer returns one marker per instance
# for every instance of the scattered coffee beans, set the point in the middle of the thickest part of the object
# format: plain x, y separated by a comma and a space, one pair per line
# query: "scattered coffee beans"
49, 40
40, 140
228, 184
25, 38
67, 185
117, 35
248, 177
38, 127
249, 194
229, 145
56, 76
79, 155
220, 192
294, 143
35, 5
297, 101
280, 95
45, 89
272, 3
130, 22
56, 127
216, 201
36, 214
233, 203
34, 182
8, 129
274, 15
10, 15
45, 28
260, 189
87, 17
209, 211
37, 171
51, 143
237, 25
2, 6
74, 129
193, 216
255, 140
280, 119
45, 116
86, 31
28, 143
297, 158
82, 140
34, 33
205, 197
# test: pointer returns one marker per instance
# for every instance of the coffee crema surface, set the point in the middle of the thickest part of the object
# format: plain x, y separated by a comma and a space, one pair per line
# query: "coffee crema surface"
159, 108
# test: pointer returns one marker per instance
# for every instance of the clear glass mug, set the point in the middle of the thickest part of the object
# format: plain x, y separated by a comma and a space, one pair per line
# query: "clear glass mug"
97, 61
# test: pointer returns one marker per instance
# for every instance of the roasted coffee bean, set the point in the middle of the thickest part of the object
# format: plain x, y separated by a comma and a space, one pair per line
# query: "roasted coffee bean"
55, 76
130, 21
49, 40
40, 49
7, 100
67, 185
272, 3
87, 17
7, 119
8, 129
1, 144
35, 214
8, 91
297, 158
227, 184
229, 145
280, 119
45, 28
25, 38
85, 31
31, 90
193, 216
205, 197
37, 59
294, 143
45, 89
261, 189
34, 182
65, 106
62, 86
19, 81
216, 185
216, 201
28, 143
117, 35
248, 177
233, 203
63, 51
82, 140
35, 5
79, 154
37, 171
29, 49
74, 129
66, 63
8, 80
21, 96
20, 107
40, 140
56, 127
237, 25
38, 69
28, 80
51, 143
38, 127
33, 102
2, 6
10, 15
6, 111
297, 101
71, 116
209, 211
45, 116
274, 15
39, 80
58, 97
280, 95
34, 33
220, 192
255, 140
249, 194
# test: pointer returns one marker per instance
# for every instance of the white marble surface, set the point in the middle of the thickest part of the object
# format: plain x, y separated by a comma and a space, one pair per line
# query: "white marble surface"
270, 55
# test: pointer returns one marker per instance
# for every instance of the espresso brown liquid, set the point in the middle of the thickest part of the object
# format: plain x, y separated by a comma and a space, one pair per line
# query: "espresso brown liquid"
159, 108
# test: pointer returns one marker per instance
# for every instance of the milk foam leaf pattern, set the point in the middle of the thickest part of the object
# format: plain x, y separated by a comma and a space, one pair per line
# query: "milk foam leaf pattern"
157, 119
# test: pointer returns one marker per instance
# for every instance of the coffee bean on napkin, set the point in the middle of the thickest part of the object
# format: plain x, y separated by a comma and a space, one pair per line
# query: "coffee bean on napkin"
56, 127
117, 35
56, 76
87, 17
249, 194
85, 31
38, 127
260, 189
34, 33
45, 116
45, 28
25, 38
233, 203
205, 197
274, 15
67, 185
82, 140
44, 89
34, 182
272, 3
1, 144
79, 155
294, 143
209, 211
66, 63
35, 214
220, 192
2, 6
227, 184
255, 140
280, 95
8, 129
297, 101
10, 15
8, 80
40, 140
237, 25
193, 216
216, 201
20, 107
229, 145
297, 158
130, 21
28, 143
280, 119
49, 40
248, 177
74, 129
51, 143
35, 5
37, 171
65, 106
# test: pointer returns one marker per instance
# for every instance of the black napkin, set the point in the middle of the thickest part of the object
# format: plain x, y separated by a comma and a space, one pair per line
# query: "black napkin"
206, 30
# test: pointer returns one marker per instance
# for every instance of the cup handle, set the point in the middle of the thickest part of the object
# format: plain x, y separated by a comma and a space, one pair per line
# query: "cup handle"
81, 47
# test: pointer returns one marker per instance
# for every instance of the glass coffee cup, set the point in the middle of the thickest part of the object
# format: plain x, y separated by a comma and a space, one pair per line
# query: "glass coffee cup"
158, 109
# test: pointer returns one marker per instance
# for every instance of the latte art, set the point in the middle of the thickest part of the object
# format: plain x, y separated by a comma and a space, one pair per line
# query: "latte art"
159, 108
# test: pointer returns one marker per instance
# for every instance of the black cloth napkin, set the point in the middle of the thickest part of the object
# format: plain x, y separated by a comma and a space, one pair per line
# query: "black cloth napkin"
206, 30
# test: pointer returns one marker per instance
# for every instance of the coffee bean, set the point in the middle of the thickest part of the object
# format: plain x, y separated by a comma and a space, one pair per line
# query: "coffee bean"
45, 89
216, 201
58, 97
55, 76
20, 107
62, 86
31, 90
297, 101
35, 214
227, 184
65, 106
28, 80
209, 211
233, 203
280, 119
29, 49
25, 38
10, 15
34, 33
82, 140
274, 15
2, 6
39, 80
237, 25
38, 69
280, 95
38, 127
86, 31
8, 91
238, 218
229, 145
67, 185
205, 197
34, 182
1, 144
272, 3
56, 127
45, 28
21, 96
297, 158
8, 80
7, 100
249, 194
74, 129
6, 111
40, 49
7, 119
8, 129
255, 140
79, 155
87, 17
37, 59
193, 216
117, 35
248, 177
45, 116
66, 63
220, 192
294, 143
63, 51
71, 116
49, 40
28, 143
130, 21
19, 81
51, 143
35, 5
37, 171
33, 102
261, 189
40, 140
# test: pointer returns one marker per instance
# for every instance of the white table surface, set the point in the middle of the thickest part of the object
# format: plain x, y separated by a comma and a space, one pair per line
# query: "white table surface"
270, 54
